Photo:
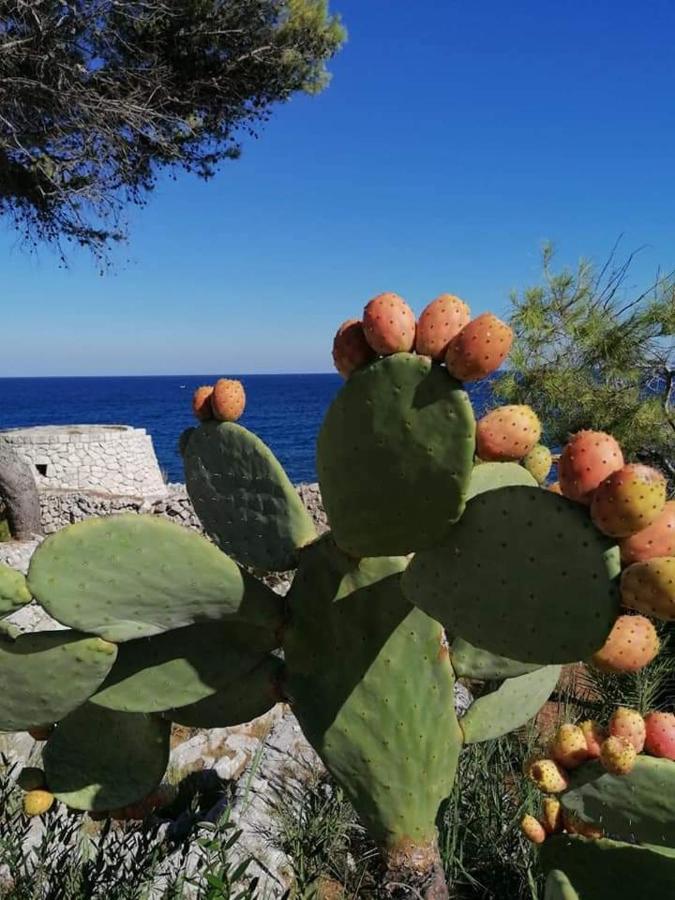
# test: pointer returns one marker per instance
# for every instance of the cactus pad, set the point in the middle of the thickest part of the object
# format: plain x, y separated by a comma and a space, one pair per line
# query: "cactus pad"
181, 667
371, 683
14, 592
100, 759
524, 574
250, 696
639, 804
244, 499
132, 576
493, 475
509, 707
559, 887
48, 674
601, 869
395, 454
472, 662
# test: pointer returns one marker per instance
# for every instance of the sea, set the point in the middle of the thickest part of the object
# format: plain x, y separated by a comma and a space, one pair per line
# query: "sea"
286, 411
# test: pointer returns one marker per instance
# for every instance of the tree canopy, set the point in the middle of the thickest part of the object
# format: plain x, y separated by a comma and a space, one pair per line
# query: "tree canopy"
589, 354
98, 96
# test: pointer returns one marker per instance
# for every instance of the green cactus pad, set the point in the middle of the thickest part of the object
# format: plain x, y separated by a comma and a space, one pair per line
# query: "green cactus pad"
14, 591
525, 575
611, 870
130, 576
243, 497
559, 887
395, 455
181, 666
640, 805
100, 759
472, 662
250, 696
48, 674
509, 707
490, 476
370, 681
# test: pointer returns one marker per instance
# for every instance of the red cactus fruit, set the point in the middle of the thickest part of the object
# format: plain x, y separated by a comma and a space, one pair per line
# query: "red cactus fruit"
649, 587
618, 755
551, 817
628, 500
631, 645
628, 724
440, 321
479, 349
569, 747
507, 433
228, 400
351, 350
587, 459
548, 776
533, 830
538, 463
657, 539
574, 825
41, 732
201, 403
660, 739
389, 324
555, 488
595, 734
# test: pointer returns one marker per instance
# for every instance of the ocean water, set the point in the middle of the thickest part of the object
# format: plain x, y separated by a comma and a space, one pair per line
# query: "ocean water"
286, 411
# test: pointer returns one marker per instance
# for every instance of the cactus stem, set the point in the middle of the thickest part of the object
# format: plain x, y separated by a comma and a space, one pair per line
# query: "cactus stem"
413, 870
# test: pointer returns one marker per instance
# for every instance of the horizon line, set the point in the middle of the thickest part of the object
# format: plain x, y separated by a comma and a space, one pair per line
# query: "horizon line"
170, 375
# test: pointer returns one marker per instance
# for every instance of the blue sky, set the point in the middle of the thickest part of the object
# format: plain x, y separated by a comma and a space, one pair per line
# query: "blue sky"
454, 139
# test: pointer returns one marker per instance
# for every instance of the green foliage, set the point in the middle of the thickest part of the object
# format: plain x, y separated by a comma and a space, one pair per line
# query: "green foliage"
585, 351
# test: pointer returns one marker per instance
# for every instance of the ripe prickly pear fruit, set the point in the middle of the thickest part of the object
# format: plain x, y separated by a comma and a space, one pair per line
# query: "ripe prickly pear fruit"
41, 732
479, 349
551, 817
507, 433
657, 539
660, 736
587, 459
628, 500
649, 587
37, 802
574, 825
595, 734
631, 645
555, 488
351, 350
538, 463
628, 724
31, 778
533, 830
548, 776
228, 400
389, 324
440, 321
569, 747
201, 403
618, 755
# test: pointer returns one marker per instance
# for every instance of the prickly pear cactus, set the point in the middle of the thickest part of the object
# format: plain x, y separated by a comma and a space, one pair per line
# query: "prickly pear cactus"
508, 580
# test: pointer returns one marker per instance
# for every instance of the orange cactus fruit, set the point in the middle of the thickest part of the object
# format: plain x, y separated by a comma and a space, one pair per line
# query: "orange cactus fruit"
228, 400
586, 460
649, 587
555, 488
618, 755
389, 324
657, 539
595, 734
574, 825
439, 323
533, 830
507, 433
632, 644
479, 349
37, 802
351, 350
629, 724
569, 747
548, 776
629, 500
201, 403
660, 739
551, 817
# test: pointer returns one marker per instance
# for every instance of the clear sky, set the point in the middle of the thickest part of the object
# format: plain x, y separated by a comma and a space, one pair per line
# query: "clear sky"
455, 138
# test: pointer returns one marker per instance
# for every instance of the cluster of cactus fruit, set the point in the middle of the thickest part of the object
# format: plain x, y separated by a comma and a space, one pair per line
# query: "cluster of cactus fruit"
447, 557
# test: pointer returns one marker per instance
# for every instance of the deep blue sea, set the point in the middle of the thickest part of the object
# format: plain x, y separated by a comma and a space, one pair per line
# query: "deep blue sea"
284, 410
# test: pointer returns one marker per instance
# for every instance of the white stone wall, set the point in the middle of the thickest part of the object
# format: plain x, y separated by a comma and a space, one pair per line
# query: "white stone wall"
107, 459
